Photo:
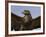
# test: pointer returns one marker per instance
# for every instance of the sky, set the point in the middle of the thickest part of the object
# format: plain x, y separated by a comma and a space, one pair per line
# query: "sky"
34, 11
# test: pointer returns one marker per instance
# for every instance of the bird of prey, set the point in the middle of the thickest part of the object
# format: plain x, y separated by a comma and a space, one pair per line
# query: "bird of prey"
24, 23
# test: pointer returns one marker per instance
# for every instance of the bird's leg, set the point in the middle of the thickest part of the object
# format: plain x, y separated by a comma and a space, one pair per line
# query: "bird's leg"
21, 27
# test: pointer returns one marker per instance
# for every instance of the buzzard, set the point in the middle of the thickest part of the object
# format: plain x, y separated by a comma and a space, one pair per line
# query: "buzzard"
24, 23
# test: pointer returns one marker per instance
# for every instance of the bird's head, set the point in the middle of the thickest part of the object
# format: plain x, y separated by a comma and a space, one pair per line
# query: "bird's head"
26, 12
